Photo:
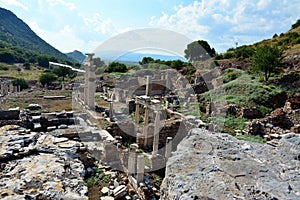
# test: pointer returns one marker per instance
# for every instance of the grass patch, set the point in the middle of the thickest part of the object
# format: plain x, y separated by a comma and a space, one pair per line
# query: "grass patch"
92, 181
251, 138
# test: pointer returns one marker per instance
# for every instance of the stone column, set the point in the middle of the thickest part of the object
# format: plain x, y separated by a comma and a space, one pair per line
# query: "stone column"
15, 89
86, 83
5, 89
148, 86
19, 88
92, 87
146, 123
2, 89
132, 160
156, 133
11, 88
89, 82
168, 147
168, 80
111, 111
140, 168
137, 112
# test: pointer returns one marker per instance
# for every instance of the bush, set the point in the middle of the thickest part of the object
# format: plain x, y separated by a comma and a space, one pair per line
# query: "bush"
3, 68
47, 78
251, 138
21, 82
26, 66
228, 55
92, 181
116, 67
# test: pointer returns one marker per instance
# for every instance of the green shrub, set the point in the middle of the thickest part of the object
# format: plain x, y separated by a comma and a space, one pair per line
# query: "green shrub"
47, 78
251, 138
261, 79
4, 68
21, 82
116, 67
229, 55
92, 181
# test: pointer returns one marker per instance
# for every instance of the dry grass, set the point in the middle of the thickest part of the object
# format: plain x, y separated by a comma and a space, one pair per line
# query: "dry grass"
23, 99
18, 72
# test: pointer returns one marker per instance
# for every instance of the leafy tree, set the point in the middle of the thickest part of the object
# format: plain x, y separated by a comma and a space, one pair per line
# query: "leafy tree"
244, 51
296, 24
116, 67
98, 62
7, 56
267, 59
62, 72
47, 78
21, 82
146, 60
43, 61
26, 65
198, 51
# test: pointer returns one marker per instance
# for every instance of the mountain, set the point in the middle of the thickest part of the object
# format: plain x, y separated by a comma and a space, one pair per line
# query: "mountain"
16, 32
77, 55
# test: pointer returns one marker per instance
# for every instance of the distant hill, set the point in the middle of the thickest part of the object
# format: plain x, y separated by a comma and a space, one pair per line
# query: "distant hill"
76, 55
17, 33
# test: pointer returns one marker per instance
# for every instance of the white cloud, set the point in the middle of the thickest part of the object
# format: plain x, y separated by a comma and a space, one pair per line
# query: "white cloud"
15, 3
65, 40
69, 5
244, 20
99, 24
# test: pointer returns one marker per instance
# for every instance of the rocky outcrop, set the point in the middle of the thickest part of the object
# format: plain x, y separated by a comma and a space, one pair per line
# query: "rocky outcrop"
39, 166
218, 166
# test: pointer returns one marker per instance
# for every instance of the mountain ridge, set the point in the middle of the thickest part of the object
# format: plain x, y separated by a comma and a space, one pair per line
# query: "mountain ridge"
15, 31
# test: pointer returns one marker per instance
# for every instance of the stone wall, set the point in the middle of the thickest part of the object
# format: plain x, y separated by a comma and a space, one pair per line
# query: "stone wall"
210, 165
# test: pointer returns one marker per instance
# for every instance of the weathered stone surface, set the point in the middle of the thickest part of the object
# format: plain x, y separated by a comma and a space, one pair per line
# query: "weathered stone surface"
218, 166
39, 166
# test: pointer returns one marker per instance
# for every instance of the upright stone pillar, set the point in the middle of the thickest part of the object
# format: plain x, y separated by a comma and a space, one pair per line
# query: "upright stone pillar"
89, 81
19, 88
156, 133
86, 83
11, 88
137, 112
132, 160
148, 86
111, 111
92, 87
15, 88
168, 147
140, 168
168, 80
5, 89
146, 123
2, 89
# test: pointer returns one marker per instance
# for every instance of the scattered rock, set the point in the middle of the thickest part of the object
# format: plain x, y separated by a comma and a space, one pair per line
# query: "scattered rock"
39, 166
34, 107
120, 191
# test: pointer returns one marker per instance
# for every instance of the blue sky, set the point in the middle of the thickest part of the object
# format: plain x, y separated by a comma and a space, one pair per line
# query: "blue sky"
84, 25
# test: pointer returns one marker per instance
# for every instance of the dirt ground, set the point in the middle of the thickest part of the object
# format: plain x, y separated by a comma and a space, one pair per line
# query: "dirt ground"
24, 98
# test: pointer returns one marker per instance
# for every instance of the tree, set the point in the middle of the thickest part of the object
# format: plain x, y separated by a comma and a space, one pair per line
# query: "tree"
146, 60
98, 62
47, 78
296, 24
198, 51
116, 67
43, 61
21, 82
267, 59
62, 72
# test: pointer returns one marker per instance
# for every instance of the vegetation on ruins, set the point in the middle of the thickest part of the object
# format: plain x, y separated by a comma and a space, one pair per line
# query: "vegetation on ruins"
267, 59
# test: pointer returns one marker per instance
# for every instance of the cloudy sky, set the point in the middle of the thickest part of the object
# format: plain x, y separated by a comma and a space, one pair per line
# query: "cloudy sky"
84, 25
